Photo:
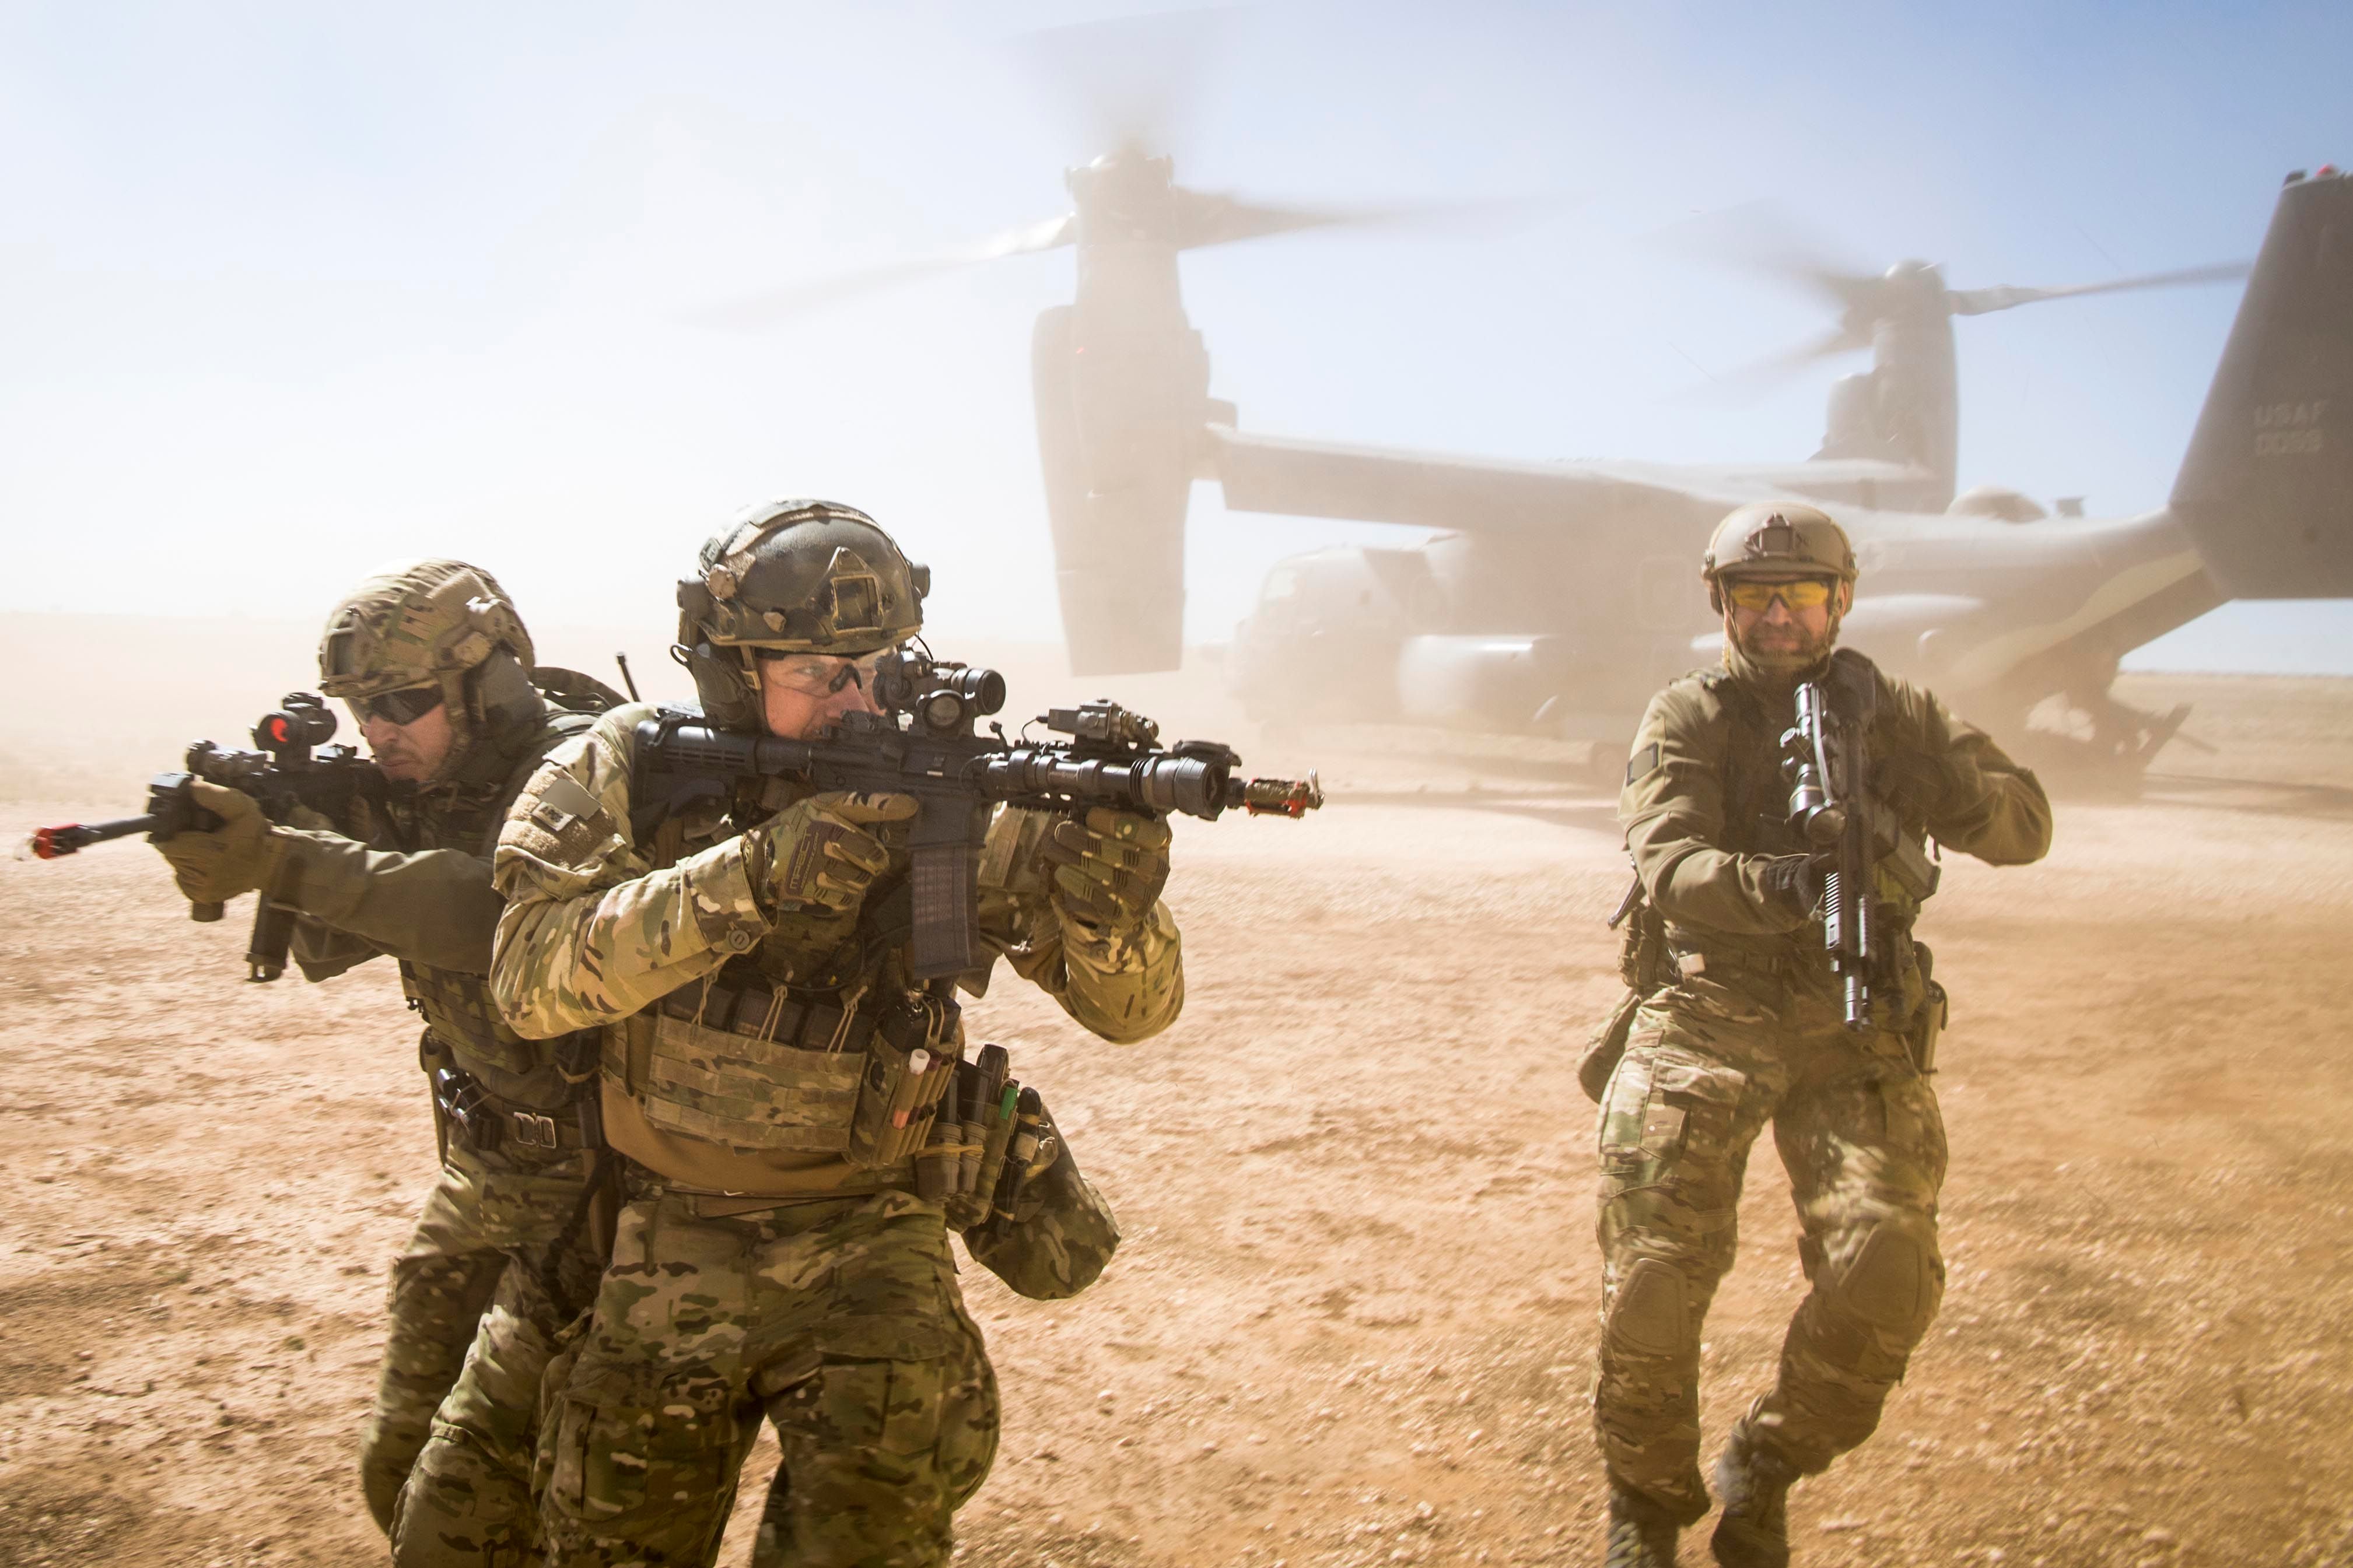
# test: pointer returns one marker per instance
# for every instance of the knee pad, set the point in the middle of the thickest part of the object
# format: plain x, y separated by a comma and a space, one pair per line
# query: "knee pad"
1894, 1284
1651, 1314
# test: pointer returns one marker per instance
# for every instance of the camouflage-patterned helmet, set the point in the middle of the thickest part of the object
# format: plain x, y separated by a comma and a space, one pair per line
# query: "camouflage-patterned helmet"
414, 623
795, 576
431, 623
1776, 537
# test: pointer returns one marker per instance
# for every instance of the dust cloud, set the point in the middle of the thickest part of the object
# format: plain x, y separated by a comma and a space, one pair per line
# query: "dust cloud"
1352, 1316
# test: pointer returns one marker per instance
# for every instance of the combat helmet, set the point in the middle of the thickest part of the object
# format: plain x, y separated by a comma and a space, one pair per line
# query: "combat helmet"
1774, 537
792, 576
421, 623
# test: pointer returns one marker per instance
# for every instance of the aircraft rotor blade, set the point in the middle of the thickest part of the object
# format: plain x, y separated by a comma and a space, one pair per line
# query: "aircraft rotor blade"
2002, 296
1760, 237
1759, 376
1128, 82
1205, 218
762, 309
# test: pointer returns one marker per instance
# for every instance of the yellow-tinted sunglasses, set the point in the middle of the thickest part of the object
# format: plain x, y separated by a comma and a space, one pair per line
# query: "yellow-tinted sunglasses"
1807, 594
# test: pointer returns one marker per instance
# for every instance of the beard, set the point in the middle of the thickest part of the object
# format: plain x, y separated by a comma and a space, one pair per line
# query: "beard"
1783, 650
400, 763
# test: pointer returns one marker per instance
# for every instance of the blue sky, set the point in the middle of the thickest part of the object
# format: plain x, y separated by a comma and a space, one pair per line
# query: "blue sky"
290, 290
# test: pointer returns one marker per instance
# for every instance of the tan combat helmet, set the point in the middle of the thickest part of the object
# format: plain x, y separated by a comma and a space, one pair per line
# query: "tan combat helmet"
421, 623
795, 576
1772, 537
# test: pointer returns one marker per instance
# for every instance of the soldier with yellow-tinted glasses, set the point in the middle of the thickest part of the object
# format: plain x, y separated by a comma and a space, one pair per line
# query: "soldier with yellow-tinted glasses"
1734, 1018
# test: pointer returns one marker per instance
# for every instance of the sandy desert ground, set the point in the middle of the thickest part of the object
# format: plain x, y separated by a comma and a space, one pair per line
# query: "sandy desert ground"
1352, 1321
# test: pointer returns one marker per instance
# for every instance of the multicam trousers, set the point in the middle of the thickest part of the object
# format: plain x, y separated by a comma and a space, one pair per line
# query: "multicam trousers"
1706, 1067
838, 1318
483, 1208
468, 1503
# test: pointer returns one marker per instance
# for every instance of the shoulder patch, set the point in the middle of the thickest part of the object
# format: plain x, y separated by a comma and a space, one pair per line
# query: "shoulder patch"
1644, 760
563, 800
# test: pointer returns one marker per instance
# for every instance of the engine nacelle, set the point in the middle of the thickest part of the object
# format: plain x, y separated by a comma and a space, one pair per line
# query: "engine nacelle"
1493, 682
1122, 392
1851, 427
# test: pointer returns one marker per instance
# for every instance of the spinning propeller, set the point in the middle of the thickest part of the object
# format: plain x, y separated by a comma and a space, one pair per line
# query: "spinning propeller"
1127, 81
1914, 292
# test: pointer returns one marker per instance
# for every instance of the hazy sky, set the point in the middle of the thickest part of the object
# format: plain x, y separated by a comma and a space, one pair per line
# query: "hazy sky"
288, 289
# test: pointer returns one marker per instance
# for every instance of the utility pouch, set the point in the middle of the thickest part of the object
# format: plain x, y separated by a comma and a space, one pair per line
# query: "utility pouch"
935, 1165
1607, 1045
1928, 1028
910, 1062
1031, 1149
1060, 1231
989, 1097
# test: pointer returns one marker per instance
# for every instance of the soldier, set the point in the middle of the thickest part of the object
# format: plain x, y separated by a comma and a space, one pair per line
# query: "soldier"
1735, 1020
747, 960
437, 668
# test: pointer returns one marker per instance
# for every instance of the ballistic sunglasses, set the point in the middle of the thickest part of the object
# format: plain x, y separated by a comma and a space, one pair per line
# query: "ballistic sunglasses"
821, 675
1807, 594
405, 706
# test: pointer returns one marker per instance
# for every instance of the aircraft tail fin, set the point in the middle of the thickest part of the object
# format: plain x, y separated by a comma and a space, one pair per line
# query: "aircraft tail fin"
2266, 490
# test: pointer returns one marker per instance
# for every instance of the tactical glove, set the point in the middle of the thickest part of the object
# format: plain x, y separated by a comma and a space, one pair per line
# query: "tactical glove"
1920, 787
1109, 865
1795, 883
817, 853
215, 865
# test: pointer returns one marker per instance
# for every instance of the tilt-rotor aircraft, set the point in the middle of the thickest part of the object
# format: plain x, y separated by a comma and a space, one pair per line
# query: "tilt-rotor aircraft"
1998, 606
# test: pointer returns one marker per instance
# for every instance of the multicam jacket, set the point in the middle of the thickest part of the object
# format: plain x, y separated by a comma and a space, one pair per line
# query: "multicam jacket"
643, 935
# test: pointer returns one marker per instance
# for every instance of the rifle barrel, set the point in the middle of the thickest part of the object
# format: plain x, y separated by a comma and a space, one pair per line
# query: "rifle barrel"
68, 838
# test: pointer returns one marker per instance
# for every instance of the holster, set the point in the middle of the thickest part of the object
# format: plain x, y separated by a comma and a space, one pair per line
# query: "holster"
1645, 966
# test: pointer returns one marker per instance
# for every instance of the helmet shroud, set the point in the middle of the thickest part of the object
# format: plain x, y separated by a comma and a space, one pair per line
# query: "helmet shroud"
422, 623
792, 576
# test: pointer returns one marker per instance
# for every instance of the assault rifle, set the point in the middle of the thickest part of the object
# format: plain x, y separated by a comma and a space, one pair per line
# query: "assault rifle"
924, 744
284, 773
1855, 835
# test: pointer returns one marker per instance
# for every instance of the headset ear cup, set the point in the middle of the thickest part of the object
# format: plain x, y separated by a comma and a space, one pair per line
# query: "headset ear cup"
727, 683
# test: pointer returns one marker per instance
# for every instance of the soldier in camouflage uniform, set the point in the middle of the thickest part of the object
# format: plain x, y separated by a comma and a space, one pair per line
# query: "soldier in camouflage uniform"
437, 668
746, 961
1735, 1020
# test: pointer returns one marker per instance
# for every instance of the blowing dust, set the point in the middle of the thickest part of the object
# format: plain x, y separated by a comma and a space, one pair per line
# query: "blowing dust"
1352, 1319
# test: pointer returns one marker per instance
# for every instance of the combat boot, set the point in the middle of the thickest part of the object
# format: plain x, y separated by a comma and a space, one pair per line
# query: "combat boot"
1752, 1480
1642, 1534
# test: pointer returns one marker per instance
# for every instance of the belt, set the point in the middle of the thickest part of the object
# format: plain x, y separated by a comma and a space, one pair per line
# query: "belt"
1691, 961
577, 1127
487, 1121
640, 1182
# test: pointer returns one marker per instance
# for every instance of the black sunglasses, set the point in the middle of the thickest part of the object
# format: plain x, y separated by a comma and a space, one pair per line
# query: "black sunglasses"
405, 706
